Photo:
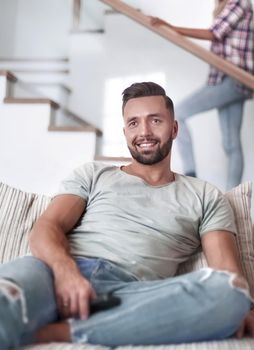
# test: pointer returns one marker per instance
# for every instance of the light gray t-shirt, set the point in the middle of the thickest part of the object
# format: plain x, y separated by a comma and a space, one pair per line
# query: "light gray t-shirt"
147, 230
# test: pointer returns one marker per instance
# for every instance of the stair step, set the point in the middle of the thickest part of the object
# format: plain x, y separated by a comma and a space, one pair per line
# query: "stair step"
61, 119
34, 59
87, 31
16, 100
34, 64
87, 128
65, 119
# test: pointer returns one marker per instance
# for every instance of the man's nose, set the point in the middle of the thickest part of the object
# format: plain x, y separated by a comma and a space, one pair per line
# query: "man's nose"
145, 128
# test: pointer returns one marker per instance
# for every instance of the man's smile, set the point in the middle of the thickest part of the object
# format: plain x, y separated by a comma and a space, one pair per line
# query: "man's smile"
147, 144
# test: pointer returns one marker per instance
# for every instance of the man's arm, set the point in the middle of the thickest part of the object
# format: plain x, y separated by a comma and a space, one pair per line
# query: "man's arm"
49, 243
221, 253
196, 33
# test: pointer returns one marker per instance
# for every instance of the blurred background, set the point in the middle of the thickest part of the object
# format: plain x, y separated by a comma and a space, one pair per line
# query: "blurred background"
63, 66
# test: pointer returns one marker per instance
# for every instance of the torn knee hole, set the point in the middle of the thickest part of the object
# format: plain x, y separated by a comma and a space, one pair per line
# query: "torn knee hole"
10, 289
14, 293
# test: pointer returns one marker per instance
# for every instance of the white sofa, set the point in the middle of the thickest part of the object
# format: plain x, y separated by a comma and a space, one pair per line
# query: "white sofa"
18, 211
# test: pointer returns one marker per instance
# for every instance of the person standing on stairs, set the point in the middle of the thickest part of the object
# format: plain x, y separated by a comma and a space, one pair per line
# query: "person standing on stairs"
232, 38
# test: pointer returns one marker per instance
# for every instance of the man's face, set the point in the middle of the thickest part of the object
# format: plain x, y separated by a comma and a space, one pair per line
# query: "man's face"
149, 129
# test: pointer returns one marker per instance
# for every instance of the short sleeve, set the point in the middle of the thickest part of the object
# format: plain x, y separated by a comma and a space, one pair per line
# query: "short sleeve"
78, 182
228, 19
217, 212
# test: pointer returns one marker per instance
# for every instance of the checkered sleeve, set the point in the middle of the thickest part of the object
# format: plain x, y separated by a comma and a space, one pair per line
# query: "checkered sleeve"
228, 19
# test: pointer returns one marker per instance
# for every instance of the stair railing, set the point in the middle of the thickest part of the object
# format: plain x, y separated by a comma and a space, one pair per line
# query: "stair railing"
185, 43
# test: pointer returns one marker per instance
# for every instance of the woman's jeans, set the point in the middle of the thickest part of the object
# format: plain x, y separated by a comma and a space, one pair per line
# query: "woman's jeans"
229, 101
202, 305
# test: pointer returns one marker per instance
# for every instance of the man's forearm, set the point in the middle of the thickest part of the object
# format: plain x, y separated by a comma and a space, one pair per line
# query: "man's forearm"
49, 243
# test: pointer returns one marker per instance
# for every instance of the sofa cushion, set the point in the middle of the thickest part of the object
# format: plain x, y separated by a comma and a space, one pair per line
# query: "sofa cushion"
18, 211
240, 200
228, 344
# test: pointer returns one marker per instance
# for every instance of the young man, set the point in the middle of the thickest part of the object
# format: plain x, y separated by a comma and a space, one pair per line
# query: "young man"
124, 231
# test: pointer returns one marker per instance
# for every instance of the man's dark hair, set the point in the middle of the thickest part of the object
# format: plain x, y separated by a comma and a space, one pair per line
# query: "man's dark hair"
146, 89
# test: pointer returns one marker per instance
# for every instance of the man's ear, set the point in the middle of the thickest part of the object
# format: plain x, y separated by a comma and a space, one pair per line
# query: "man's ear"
175, 129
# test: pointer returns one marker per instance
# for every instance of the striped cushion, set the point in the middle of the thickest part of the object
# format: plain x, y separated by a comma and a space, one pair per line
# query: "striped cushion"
228, 344
18, 211
240, 200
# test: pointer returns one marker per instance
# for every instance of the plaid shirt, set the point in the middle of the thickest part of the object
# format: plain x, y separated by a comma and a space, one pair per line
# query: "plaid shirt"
234, 31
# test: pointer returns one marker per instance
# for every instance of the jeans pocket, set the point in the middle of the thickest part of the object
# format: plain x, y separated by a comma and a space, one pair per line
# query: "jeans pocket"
109, 272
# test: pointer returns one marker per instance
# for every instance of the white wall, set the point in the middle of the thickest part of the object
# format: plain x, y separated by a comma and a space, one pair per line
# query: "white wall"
42, 28
180, 12
33, 159
8, 13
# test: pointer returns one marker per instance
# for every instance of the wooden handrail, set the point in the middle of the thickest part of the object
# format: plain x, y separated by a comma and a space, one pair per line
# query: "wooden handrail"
181, 41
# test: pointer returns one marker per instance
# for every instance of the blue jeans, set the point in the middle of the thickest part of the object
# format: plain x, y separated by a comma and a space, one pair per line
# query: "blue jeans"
201, 305
229, 102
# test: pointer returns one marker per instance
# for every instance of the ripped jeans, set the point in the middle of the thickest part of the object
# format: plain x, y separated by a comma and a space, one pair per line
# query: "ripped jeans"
202, 305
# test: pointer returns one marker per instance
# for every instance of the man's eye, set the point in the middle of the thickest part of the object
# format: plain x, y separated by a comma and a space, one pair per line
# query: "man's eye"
156, 121
132, 124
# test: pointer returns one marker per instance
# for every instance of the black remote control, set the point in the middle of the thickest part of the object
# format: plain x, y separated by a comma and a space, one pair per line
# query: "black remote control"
104, 302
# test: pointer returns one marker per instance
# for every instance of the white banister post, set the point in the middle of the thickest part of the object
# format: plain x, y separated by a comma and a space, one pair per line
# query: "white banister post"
7, 81
76, 14
3, 87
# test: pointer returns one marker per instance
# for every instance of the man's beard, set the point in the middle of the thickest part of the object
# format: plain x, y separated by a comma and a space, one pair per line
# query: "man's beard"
150, 158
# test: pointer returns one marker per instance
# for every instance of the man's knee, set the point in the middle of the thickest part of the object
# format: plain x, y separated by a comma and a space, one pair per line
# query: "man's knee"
231, 147
229, 291
11, 290
13, 312
14, 295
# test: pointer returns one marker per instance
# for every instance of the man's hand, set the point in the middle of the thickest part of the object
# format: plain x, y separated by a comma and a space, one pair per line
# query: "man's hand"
73, 293
247, 326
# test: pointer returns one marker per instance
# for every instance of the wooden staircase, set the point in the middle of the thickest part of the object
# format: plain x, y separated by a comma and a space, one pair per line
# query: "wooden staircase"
68, 120
44, 137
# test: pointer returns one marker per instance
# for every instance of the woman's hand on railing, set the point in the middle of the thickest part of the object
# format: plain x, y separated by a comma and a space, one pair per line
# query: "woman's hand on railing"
157, 22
